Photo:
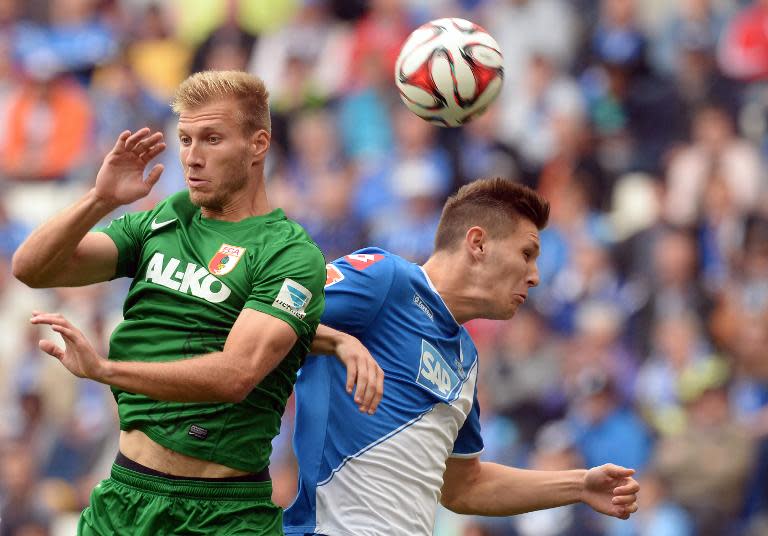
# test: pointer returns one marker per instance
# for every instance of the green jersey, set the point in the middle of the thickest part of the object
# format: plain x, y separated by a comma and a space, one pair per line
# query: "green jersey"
191, 278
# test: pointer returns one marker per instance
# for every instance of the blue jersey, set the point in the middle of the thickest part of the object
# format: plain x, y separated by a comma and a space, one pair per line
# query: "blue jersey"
381, 474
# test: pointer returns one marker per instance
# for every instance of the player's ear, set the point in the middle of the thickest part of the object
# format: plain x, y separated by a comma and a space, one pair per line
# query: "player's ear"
259, 144
475, 242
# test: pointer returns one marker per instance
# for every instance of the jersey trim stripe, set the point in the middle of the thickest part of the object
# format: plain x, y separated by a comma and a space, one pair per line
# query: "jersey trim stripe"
377, 442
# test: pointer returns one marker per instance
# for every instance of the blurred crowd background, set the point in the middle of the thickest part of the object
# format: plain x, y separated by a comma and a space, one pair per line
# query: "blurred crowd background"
643, 122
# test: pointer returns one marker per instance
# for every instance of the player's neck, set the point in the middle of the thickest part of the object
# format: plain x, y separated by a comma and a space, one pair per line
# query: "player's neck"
451, 282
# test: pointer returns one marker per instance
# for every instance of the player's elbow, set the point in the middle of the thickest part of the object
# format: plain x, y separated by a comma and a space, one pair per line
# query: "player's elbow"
25, 271
239, 388
453, 502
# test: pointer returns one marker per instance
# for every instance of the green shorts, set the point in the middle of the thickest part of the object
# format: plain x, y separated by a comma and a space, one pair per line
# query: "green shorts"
136, 504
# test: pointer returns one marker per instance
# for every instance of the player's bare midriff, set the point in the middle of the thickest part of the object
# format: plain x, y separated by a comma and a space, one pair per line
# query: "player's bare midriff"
138, 447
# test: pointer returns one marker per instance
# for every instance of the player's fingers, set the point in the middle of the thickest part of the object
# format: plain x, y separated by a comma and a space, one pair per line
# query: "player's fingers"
616, 471
120, 142
154, 175
379, 390
52, 319
624, 499
135, 138
632, 508
51, 348
148, 142
152, 152
629, 486
351, 376
371, 387
68, 334
368, 379
44, 318
362, 384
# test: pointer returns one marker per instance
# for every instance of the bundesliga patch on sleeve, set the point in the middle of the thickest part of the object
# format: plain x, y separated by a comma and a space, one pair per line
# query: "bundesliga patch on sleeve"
294, 298
361, 261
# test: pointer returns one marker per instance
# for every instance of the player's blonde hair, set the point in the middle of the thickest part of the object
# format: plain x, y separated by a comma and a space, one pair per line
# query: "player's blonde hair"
208, 86
493, 204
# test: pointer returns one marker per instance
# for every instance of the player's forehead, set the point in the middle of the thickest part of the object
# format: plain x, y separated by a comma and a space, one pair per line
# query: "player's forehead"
217, 115
522, 232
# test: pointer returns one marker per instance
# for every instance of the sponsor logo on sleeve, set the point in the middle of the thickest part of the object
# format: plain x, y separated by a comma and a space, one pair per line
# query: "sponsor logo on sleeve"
225, 260
435, 374
361, 261
332, 275
423, 306
293, 297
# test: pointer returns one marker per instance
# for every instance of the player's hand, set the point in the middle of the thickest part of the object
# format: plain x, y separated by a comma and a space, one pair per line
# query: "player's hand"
611, 490
363, 371
120, 180
78, 356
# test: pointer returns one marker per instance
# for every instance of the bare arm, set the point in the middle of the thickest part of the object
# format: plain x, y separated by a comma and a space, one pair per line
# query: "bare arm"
62, 252
257, 343
474, 487
362, 368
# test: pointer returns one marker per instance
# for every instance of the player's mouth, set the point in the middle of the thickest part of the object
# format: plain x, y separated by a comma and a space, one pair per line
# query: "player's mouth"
195, 182
521, 297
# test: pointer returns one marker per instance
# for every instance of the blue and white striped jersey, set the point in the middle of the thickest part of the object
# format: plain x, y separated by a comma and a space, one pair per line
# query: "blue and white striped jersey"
382, 474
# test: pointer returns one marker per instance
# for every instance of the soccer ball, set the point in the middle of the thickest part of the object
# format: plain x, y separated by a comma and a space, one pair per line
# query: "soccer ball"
449, 71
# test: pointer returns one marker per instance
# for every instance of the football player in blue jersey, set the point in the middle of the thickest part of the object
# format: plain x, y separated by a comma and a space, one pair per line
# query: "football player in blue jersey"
384, 474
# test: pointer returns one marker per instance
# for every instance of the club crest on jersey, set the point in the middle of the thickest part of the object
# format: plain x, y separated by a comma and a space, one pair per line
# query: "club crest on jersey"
361, 261
225, 260
332, 275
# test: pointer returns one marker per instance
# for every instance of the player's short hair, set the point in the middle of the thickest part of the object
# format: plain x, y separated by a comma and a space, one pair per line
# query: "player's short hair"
493, 204
208, 86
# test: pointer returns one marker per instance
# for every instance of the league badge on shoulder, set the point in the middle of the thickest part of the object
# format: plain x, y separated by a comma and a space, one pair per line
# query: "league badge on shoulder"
225, 260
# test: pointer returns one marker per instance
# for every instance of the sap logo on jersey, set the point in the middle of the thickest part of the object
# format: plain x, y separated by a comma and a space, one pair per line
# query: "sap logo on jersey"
434, 372
193, 280
293, 297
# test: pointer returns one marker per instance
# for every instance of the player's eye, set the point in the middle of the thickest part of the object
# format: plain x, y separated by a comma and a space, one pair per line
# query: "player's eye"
185, 140
214, 139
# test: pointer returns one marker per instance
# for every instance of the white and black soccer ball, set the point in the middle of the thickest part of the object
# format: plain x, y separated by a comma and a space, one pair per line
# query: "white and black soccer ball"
449, 71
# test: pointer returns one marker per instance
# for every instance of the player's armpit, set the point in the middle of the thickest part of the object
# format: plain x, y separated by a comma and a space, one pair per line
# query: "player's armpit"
258, 342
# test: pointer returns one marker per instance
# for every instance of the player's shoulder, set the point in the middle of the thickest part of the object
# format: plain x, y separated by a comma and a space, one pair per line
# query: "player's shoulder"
282, 231
371, 261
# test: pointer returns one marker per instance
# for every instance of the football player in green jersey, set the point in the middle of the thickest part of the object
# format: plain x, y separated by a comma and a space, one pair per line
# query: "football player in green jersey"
217, 275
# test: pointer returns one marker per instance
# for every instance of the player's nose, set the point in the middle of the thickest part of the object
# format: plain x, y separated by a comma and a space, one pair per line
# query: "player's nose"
533, 276
192, 156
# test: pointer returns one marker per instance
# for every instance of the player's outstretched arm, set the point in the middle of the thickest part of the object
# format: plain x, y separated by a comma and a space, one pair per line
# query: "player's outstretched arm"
362, 368
480, 488
62, 252
256, 345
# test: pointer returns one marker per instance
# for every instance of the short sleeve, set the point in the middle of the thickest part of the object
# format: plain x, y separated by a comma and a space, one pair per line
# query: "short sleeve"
355, 288
290, 287
127, 232
469, 442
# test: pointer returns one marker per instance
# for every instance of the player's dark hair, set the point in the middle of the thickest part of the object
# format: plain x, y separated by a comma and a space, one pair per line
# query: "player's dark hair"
207, 86
492, 204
